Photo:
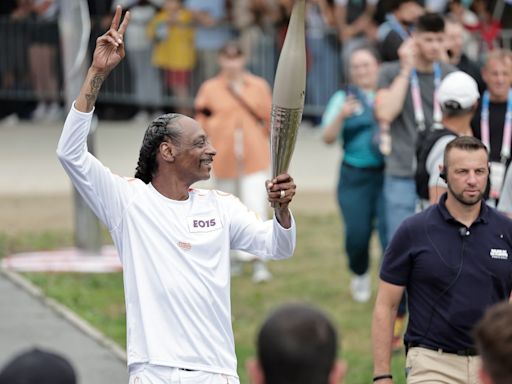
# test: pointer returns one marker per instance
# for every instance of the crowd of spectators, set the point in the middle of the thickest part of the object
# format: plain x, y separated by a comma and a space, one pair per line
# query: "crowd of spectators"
173, 45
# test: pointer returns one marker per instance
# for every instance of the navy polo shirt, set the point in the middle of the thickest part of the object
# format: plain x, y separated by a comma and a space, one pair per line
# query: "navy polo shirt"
451, 273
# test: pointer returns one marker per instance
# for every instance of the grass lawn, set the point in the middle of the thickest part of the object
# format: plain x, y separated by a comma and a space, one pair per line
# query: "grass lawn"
316, 274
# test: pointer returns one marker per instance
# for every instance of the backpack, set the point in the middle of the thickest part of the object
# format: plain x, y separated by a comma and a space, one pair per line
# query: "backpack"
426, 140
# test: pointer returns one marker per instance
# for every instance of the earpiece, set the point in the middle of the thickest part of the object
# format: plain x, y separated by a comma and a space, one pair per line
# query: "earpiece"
442, 175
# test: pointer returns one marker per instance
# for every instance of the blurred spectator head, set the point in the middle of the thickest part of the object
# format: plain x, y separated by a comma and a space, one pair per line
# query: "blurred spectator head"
38, 367
430, 22
493, 336
457, 7
232, 58
364, 67
483, 8
497, 74
297, 344
429, 36
454, 39
172, 5
458, 94
406, 11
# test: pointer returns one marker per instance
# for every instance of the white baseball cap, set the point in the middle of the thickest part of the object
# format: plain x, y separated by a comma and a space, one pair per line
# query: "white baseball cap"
458, 90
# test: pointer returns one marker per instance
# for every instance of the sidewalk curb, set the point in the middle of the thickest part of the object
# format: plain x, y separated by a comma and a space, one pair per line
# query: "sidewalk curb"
64, 312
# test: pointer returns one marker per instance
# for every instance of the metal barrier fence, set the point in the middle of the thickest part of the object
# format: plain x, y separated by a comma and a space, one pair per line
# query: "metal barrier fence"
31, 70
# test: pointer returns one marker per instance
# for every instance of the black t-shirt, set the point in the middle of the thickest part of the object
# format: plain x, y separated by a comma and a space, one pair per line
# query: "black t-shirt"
388, 47
452, 274
497, 113
354, 10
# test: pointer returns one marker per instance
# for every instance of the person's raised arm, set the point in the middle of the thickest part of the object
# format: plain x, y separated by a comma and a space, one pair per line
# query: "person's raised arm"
344, 30
384, 313
333, 128
108, 53
391, 99
105, 193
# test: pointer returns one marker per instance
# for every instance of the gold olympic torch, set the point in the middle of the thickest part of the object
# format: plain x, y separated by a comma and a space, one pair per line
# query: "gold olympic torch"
289, 91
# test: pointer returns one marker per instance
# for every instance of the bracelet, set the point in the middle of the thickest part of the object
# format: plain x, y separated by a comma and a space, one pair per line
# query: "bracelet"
382, 377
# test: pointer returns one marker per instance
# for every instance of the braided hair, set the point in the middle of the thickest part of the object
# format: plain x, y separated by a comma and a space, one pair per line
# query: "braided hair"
160, 129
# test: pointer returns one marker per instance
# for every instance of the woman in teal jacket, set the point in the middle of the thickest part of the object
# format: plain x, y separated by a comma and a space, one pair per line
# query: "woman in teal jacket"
349, 119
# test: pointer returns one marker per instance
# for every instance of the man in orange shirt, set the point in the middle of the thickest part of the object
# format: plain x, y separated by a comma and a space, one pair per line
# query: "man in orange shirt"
234, 109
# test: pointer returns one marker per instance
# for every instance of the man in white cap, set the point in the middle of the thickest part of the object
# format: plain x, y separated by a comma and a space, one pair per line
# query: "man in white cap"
458, 96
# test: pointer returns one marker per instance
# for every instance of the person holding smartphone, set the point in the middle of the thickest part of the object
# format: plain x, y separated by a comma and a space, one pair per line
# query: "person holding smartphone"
349, 119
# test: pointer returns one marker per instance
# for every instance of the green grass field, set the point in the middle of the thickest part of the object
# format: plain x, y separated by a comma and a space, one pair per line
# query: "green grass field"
316, 274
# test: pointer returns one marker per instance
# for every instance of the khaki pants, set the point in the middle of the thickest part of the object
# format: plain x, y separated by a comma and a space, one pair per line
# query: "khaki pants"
425, 366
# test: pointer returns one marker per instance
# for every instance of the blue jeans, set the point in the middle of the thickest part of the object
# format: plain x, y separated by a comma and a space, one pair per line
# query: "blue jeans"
400, 198
362, 205
400, 203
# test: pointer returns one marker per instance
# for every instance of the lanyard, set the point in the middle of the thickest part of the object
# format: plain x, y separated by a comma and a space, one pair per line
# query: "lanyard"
417, 103
507, 130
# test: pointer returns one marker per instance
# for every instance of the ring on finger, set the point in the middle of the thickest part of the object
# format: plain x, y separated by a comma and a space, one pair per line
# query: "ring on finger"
282, 194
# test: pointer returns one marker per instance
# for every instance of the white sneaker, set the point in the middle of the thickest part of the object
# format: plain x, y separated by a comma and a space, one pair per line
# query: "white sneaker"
10, 120
40, 111
260, 272
360, 288
53, 113
141, 116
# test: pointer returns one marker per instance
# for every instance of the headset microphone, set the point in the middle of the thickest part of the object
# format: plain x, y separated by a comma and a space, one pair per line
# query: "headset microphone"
443, 176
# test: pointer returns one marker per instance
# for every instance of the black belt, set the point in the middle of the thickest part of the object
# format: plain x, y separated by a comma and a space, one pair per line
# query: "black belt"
460, 352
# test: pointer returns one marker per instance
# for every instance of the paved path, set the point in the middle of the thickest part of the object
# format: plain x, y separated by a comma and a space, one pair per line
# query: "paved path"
27, 156
28, 321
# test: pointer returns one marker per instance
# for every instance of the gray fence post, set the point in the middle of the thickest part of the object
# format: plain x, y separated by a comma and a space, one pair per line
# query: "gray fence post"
74, 24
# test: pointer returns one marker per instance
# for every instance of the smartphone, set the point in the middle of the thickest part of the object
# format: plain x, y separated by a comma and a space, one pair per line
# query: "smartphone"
353, 91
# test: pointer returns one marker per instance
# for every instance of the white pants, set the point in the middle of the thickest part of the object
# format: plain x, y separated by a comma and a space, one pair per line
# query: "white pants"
156, 374
250, 189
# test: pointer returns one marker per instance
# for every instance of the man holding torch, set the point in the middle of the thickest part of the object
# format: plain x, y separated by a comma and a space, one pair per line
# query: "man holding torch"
173, 240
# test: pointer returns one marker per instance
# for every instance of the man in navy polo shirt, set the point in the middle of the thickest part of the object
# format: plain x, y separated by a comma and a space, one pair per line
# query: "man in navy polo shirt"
455, 260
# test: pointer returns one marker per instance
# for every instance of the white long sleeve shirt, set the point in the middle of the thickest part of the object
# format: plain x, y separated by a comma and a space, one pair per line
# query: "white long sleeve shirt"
175, 257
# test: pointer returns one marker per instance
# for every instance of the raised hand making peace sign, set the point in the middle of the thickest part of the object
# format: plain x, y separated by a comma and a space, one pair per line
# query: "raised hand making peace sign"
110, 46
108, 53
